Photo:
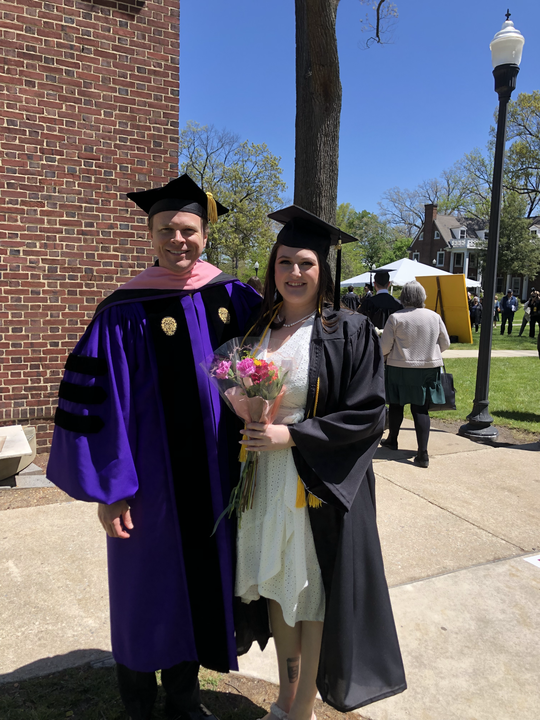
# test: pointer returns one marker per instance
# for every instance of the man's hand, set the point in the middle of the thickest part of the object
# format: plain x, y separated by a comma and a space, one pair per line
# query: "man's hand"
262, 437
115, 518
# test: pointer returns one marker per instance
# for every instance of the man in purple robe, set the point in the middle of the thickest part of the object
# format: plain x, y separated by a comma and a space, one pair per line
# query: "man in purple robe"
142, 432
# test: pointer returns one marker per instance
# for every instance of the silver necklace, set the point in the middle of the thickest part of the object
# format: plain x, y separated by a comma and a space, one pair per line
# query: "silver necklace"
299, 321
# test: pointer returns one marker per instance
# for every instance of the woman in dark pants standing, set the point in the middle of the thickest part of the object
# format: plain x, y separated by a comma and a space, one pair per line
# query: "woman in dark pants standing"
412, 342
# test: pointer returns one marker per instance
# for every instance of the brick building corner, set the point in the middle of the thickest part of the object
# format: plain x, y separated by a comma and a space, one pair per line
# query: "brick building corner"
89, 110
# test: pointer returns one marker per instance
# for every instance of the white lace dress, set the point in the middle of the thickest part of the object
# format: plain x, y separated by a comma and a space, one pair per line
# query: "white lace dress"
276, 552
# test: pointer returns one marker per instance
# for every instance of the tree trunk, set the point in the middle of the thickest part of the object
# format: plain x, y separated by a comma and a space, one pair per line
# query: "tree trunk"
318, 108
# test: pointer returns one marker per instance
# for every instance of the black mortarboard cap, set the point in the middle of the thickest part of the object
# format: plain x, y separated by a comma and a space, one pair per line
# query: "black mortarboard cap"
382, 277
182, 193
302, 229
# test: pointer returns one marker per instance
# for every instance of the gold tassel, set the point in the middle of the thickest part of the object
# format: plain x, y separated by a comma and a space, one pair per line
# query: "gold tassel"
243, 450
313, 501
211, 208
300, 494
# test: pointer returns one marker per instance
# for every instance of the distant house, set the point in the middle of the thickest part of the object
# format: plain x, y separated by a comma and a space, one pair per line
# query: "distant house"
454, 243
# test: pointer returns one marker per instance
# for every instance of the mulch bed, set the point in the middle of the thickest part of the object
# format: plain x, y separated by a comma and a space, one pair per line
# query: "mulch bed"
87, 693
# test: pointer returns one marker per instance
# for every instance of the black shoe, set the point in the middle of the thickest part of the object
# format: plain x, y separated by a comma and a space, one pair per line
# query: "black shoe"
201, 713
389, 444
422, 460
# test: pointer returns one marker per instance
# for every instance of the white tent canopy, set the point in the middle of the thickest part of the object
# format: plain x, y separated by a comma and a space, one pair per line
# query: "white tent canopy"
405, 270
358, 280
401, 272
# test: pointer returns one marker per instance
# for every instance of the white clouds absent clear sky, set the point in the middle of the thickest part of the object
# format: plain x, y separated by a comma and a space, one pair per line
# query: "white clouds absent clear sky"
410, 108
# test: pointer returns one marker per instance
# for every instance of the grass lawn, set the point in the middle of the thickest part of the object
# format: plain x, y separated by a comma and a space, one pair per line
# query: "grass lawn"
503, 342
514, 391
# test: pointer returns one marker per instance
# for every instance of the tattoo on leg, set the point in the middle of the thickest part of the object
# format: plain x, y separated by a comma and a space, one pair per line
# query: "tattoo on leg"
293, 667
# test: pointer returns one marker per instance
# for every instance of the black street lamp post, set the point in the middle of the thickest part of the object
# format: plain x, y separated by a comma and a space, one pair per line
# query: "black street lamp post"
506, 48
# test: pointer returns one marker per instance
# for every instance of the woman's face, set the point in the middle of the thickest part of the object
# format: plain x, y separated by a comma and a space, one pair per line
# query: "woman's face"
296, 275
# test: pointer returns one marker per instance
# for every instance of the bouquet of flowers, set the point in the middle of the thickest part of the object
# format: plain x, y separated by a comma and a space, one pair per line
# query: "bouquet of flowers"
253, 389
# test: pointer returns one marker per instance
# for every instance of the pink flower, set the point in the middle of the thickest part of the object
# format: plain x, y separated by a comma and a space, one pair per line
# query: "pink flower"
246, 367
222, 370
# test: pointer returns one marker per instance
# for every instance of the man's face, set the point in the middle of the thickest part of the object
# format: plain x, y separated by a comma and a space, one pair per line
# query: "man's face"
178, 239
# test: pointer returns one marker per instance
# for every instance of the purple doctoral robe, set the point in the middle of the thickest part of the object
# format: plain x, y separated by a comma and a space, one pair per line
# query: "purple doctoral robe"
138, 420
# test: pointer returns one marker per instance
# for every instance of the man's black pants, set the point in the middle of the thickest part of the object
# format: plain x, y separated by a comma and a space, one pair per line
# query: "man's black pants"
504, 317
138, 690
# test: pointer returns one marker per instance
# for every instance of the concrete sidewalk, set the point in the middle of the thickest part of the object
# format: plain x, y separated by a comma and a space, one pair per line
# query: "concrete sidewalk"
494, 353
455, 539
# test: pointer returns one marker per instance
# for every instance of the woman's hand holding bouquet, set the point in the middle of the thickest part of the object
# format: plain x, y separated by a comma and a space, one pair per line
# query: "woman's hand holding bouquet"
259, 437
253, 388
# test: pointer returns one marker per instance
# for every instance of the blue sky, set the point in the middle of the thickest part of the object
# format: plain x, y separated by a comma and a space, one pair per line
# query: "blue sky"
410, 108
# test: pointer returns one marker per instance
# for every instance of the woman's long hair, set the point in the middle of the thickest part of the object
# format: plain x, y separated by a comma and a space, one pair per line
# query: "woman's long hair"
272, 296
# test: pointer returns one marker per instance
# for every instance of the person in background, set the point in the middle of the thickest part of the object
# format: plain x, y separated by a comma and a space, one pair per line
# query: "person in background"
351, 299
534, 307
378, 308
509, 305
496, 311
476, 313
412, 342
256, 284
368, 292
526, 316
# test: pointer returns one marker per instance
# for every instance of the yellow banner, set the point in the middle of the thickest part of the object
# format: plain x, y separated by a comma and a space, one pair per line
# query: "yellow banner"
451, 303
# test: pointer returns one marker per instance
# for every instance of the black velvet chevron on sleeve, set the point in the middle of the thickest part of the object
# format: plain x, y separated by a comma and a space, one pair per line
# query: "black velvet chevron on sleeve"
86, 365
85, 395
84, 424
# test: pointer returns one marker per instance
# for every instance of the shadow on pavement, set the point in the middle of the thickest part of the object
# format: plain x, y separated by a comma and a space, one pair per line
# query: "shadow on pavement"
534, 446
516, 415
48, 665
227, 705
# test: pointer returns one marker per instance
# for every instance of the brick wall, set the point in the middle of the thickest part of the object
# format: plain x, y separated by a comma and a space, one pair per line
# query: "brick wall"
89, 111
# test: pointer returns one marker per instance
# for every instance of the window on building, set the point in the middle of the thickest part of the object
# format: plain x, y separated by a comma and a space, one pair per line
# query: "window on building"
437, 235
421, 236
472, 260
416, 256
534, 231
516, 286
499, 285
458, 260
440, 259
462, 234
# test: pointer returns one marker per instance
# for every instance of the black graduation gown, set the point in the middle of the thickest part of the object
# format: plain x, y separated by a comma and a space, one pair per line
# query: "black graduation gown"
360, 658
379, 307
